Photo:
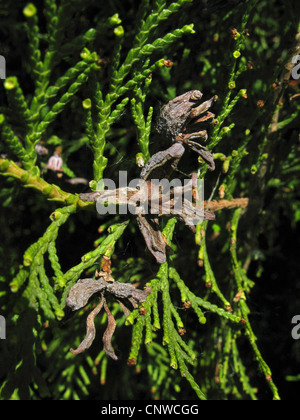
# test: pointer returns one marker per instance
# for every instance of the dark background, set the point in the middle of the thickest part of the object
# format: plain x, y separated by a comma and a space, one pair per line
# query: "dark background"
275, 267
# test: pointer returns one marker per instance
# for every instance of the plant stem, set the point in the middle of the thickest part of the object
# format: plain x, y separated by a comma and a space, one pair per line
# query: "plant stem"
52, 192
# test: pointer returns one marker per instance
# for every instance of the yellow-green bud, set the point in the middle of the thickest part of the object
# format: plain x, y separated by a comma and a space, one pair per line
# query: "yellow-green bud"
119, 31
115, 20
87, 103
11, 83
29, 10
226, 165
85, 53
253, 169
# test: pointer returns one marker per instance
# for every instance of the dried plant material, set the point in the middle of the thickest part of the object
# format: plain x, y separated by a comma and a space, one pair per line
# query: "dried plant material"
153, 238
178, 122
55, 163
226, 204
107, 336
106, 264
77, 181
124, 308
158, 203
82, 291
162, 164
41, 150
90, 329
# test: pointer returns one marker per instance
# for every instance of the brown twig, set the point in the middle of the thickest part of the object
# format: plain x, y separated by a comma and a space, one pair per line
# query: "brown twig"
225, 204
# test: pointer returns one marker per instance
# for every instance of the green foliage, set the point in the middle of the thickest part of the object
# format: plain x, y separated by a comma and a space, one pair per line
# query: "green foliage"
86, 84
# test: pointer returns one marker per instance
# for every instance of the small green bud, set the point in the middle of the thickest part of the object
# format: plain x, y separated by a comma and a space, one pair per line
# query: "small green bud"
28, 260
4, 166
189, 29
14, 287
2, 119
55, 215
236, 54
30, 10
87, 103
243, 92
226, 165
114, 20
231, 85
161, 63
86, 258
247, 132
177, 388
119, 31
216, 228
235, 153
130, 320
11, 83
166, 341
90, 34
85, 54
93, 185
225, 130
219, 156
253, 169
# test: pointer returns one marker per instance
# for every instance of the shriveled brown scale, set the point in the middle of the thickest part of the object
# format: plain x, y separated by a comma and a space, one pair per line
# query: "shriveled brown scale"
107, 336
84, 289
178, 121
90, 330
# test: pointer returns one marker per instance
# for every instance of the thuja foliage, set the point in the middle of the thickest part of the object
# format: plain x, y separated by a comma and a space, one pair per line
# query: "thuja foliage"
85, 82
